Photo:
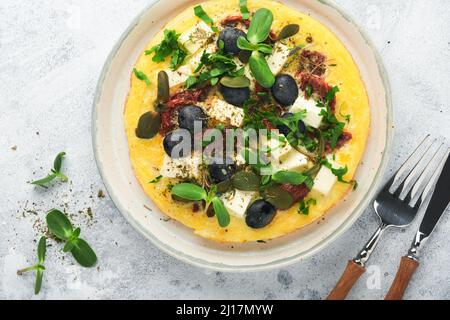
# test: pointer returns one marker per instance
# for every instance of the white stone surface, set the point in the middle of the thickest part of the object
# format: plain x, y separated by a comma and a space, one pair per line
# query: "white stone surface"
51, 54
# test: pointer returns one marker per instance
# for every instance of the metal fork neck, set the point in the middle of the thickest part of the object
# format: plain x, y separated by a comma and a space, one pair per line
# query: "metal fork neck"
364, 255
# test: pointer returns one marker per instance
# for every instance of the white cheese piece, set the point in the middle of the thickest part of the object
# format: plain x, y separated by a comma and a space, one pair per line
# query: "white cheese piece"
182, 168
195, 59
225, 112
278, 146
325, 179
178, 76
291, 161
313, 117
278, 58
238, 201
196, 37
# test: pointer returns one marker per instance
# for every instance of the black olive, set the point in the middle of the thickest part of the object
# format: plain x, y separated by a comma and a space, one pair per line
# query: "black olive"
174, 138
235, 96
285, 90
260, 214
189, 114
221, 170
229, 37
285, 130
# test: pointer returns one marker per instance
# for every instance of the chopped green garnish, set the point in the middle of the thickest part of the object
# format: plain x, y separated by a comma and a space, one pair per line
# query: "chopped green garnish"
244, 9
199, 12
304, 206
169, 46
156, 180
141, 76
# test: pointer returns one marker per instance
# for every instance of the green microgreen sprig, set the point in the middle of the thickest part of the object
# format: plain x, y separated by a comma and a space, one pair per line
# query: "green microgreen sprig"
39, 267
55, 172
201, 13
61, 227
258, 33
193, 192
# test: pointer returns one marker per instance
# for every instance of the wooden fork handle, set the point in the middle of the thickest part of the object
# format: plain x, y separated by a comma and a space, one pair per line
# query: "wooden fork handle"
404, 274
351, 274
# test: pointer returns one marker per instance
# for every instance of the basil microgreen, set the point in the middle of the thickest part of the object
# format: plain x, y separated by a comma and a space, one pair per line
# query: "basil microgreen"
261, 70
141, 76
258, 32
193, 192
39, 267
169, 46
260, 26
157, 179
61, 227
304, 206
292, 177
216, 65
244, 9
55, 172
199, 12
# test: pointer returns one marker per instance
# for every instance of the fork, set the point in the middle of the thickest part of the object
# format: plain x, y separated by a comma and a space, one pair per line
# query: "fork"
396, 206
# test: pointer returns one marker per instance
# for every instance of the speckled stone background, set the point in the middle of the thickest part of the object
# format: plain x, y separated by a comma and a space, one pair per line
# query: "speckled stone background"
51, 54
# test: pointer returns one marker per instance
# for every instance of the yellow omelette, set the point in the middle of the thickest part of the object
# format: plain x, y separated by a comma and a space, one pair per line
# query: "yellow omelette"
147, 155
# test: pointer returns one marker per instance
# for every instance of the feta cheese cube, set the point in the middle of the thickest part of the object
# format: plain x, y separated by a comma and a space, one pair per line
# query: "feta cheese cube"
313, 117
178, 76
225, 112
278, 58
238, 201
196, 37
195, 59
182, 168
325, 179
278, 146
291, 161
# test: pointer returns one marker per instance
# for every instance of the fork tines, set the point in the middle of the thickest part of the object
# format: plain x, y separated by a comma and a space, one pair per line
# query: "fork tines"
411, 180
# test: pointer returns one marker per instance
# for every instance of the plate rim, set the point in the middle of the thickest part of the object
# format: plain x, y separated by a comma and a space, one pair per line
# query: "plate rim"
201, 263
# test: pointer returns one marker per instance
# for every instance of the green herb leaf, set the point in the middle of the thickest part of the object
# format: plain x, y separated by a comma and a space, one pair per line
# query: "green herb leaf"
223, 217
169, 46
42, 247
38, 284
157, 179
141, 76
338, 172
59, 225
292, 177
83, 253
264, 48
304, 206
199, 12
261, 70
260, 26
58, 161
69, 245
190, 191
56, 172
236, 82
244, 9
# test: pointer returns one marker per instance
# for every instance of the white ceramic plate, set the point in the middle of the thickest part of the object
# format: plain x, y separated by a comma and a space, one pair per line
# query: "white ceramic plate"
111, 150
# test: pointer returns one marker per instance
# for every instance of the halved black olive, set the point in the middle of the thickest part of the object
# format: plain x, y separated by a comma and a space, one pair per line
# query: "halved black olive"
285, 90
189, 115
229, 37
260, 214
221, 170
148, 125
174, 138
235, 96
